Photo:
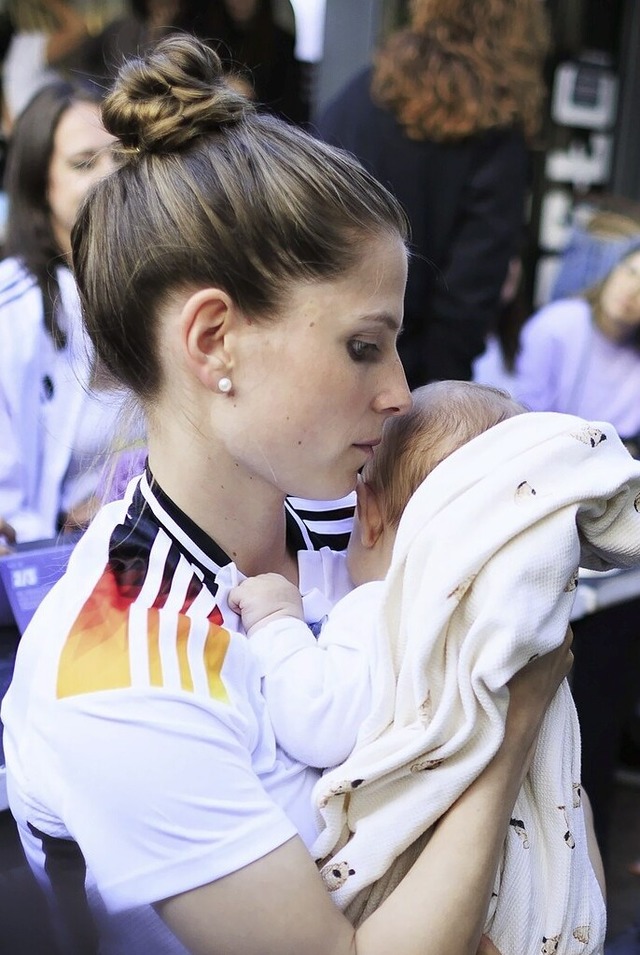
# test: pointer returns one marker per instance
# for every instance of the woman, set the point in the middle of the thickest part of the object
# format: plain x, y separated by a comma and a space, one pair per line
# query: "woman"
53, 430
445, 117
247, 282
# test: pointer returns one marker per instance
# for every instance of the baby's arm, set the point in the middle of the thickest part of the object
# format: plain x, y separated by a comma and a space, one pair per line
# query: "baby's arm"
262, 599
306, 683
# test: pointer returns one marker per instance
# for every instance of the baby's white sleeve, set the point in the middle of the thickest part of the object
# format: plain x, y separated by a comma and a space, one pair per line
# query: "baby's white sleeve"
318, 692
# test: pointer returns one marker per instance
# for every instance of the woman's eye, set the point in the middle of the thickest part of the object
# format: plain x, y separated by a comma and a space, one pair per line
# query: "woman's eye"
87, 163
363, 351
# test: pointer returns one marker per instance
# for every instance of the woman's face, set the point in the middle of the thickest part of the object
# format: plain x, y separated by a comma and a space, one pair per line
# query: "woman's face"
312, 390
80, 157
620, 300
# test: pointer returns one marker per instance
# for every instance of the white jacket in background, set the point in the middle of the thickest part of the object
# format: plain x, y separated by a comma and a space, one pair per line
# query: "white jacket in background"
54, 432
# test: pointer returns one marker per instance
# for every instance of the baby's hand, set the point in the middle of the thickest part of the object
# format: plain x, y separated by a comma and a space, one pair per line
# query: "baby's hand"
264, 598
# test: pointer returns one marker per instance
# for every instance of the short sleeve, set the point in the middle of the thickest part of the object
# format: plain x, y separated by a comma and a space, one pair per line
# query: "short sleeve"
165, 797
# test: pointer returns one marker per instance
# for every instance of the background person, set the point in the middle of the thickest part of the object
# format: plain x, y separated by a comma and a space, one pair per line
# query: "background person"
54, 430
33, 56
249, 34
259, 255
444, 117
581, 355
571, 330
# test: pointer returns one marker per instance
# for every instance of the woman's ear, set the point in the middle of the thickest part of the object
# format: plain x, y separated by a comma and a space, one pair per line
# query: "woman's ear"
207, 318
370, 519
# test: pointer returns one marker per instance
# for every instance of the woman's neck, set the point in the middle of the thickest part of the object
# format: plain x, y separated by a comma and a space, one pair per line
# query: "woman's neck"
245, 517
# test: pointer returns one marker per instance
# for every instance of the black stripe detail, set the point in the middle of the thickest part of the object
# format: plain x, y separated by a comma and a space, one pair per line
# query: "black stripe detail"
324, 538
333, 541
337, 514
66, 870
15, 294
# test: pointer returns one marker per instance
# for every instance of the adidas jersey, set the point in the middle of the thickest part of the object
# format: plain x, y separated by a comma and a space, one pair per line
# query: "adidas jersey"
141, 761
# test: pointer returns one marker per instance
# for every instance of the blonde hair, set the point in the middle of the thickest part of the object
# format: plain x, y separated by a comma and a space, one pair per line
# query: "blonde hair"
444, 416
462, 67
606, 224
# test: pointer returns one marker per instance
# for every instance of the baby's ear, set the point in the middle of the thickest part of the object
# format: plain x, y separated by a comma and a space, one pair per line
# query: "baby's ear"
370, 519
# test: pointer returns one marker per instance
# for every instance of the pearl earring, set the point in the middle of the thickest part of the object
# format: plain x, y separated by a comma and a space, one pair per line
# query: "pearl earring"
225, 385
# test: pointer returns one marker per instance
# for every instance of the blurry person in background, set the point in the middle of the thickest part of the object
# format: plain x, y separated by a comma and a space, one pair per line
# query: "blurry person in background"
259, 37
33, 56
254, 40
580, 354
54, 430
445, 118
99, 57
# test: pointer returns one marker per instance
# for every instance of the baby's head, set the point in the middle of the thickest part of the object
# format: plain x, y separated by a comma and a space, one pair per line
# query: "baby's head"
443, 417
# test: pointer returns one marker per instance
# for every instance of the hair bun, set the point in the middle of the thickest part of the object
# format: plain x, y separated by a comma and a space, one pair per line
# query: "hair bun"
166, 98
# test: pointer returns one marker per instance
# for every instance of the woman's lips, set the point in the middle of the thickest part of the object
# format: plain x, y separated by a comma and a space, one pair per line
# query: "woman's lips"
367, 447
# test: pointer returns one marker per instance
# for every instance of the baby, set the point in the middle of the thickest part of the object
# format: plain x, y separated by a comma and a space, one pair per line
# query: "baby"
327, 680
471, 521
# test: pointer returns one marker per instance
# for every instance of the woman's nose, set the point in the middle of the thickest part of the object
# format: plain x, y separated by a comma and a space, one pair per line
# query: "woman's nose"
394, 398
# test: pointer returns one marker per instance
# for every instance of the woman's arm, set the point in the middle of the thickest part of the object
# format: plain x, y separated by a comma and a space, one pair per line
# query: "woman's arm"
278, 905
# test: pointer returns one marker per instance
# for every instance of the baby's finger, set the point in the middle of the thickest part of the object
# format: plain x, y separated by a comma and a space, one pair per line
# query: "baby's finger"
234, 598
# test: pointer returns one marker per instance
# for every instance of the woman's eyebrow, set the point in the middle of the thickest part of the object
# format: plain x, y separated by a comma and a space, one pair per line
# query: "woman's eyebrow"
390, 321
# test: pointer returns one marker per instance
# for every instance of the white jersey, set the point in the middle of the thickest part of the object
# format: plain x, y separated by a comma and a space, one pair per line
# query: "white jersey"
138, 745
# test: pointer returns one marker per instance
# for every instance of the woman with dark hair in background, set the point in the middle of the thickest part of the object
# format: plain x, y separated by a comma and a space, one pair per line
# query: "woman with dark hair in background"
52, 428
247, 35
444, 118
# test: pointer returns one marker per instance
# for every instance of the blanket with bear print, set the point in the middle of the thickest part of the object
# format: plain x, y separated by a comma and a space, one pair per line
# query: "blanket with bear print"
482, 579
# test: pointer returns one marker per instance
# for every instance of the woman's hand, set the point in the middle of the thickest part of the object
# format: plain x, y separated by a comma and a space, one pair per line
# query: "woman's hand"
7, 537
531, 691
544, 674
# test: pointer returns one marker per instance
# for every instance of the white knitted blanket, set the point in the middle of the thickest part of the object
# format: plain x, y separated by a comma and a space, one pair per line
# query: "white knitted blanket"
482, 579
